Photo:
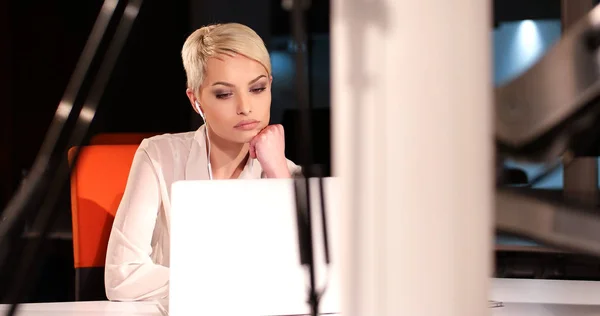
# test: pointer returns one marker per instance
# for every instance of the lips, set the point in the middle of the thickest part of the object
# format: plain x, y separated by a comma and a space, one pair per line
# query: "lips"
247, 124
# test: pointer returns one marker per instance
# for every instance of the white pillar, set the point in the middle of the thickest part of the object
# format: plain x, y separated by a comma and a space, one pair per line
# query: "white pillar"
412, 144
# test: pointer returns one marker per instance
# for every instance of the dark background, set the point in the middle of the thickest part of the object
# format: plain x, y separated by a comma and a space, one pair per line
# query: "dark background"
41, 41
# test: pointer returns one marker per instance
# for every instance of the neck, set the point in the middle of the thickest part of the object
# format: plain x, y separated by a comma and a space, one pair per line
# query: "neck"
227, 158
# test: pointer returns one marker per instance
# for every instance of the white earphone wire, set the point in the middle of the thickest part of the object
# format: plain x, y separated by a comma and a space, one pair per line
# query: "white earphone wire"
209, 167
210, 176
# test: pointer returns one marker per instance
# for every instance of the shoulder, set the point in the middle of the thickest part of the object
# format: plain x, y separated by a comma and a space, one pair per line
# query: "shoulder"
167, 142
168, 156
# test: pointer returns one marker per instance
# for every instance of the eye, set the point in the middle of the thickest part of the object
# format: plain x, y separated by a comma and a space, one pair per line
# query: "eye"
223, 95
258, 90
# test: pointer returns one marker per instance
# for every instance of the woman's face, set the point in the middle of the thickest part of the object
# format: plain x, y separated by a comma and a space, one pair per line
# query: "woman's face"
235, 97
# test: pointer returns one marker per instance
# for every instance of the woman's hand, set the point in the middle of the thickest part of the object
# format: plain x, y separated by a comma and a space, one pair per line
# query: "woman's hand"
268, 147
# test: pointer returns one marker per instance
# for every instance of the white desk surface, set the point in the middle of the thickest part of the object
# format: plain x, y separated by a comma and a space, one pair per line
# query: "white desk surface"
100, 308
525, 297
521, 297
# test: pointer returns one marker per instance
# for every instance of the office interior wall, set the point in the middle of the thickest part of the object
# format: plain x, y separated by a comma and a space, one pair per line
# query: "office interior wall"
284, 70
517, 46
580, 176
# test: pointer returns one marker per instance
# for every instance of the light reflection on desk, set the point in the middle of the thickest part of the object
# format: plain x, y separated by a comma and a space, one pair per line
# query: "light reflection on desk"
99, 308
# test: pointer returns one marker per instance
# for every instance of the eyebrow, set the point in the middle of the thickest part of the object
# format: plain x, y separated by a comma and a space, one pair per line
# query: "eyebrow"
231, 85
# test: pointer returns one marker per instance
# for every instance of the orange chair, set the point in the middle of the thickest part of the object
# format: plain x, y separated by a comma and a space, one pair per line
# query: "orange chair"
119, 138
97, 184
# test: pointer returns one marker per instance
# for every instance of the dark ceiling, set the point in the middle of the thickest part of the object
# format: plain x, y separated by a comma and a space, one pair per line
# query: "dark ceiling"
515, 10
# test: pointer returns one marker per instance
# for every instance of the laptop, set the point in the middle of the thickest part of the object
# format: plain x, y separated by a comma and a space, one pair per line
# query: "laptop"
234, 248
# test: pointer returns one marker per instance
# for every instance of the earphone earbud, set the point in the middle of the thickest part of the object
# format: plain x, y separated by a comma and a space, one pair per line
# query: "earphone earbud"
199, 110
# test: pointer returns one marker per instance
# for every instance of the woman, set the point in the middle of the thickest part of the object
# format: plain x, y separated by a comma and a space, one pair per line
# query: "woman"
229, 84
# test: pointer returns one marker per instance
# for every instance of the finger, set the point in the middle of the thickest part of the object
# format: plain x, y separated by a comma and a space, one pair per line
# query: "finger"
262, 131
255, 139
252, 151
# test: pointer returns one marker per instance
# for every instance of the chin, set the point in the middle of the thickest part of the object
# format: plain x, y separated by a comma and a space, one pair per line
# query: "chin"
246, 136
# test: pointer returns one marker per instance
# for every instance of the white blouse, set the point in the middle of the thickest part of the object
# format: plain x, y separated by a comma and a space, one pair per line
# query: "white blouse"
137, 259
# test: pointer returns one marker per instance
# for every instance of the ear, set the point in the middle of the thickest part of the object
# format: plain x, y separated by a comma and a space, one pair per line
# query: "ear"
192, 98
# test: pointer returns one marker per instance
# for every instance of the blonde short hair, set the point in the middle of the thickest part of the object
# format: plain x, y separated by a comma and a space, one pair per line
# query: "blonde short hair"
215, 39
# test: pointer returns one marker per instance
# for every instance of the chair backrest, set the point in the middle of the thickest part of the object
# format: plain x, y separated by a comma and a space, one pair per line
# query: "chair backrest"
97, 184
119, 138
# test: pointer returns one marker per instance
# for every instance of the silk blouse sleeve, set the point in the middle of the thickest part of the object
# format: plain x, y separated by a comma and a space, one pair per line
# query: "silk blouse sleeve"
130, 273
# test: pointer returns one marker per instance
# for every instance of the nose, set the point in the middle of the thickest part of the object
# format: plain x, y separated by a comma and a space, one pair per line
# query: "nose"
244, 105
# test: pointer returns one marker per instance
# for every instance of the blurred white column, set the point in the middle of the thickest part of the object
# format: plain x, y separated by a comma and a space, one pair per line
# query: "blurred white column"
412, 144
